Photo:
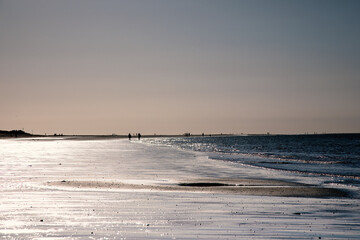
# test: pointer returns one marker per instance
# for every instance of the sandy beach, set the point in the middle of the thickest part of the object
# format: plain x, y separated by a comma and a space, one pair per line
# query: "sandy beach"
120, 189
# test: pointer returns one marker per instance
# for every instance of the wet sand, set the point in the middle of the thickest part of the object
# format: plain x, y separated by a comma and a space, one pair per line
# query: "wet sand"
116, 189
224, 186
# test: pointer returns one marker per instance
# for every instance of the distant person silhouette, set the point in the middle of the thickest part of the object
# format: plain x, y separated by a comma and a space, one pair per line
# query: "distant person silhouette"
139, 136
129, 136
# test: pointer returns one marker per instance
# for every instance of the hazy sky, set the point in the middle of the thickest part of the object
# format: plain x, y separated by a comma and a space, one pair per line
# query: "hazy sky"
102, 67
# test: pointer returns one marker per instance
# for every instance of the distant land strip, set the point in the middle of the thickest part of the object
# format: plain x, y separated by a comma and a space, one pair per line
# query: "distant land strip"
22, 134
14, 133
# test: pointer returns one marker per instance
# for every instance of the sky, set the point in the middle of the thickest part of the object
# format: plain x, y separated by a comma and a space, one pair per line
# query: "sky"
170, 67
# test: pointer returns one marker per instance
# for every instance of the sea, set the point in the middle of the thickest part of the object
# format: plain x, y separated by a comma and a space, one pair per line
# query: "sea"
335, 158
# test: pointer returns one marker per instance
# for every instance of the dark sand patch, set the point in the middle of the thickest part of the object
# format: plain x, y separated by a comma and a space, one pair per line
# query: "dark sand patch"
206, 184
222, 186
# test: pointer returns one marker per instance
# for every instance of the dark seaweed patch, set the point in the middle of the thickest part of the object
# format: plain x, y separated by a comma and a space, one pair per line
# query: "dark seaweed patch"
206, 184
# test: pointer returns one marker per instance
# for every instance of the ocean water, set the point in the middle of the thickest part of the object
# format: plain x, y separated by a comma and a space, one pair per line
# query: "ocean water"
333, 157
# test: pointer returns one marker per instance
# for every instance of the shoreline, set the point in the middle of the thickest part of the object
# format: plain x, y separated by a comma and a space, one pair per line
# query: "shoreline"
124, 190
